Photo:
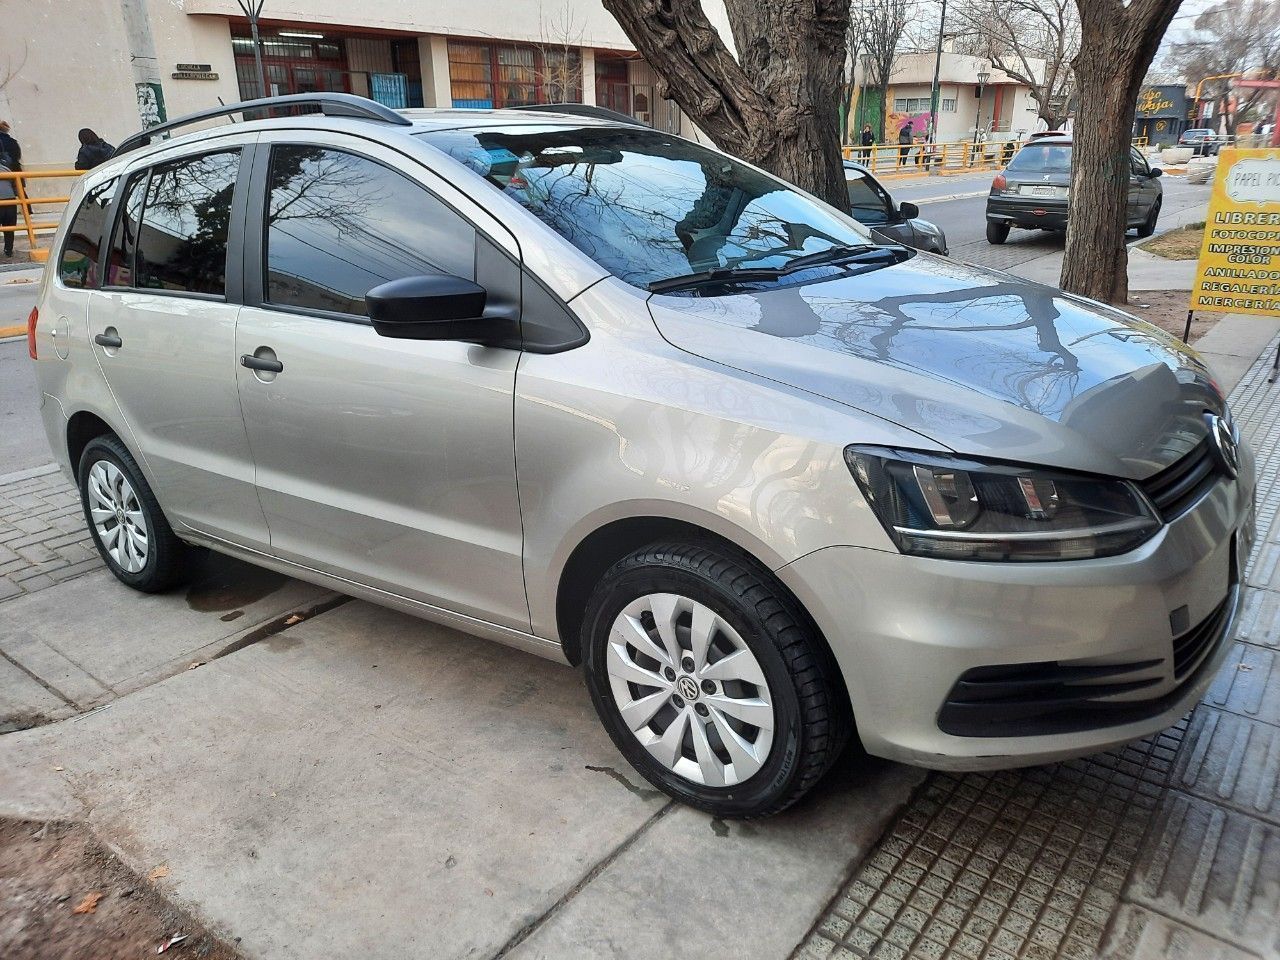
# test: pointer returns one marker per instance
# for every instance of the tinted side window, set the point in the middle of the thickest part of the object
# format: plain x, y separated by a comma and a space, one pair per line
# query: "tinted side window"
339, 224
125, 240
183, 242
78, 263
1137, 164
866, 203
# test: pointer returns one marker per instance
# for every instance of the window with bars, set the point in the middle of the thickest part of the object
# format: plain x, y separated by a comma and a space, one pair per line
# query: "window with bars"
921, 105
492, 75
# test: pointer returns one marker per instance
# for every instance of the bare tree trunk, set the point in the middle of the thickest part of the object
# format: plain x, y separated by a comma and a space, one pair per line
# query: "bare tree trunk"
1118, 43
777, 103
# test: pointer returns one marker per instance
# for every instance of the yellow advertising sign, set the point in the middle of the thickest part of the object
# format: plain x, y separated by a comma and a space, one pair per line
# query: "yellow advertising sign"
1239, 266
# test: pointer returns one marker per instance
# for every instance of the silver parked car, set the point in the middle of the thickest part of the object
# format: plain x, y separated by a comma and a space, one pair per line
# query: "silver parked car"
1033, 189
620, 400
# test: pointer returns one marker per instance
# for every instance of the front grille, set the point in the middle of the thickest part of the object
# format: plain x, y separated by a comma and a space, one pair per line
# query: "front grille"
1178, 487
1063, 696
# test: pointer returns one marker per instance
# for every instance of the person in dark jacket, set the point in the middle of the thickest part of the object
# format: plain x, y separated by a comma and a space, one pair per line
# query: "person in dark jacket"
868, 140
904, 143
93, 150
10, 148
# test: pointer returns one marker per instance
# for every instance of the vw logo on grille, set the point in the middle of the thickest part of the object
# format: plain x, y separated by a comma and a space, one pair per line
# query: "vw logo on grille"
1224, 444
688, 688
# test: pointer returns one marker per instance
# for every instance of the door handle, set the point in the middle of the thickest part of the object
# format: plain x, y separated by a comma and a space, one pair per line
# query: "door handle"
107, 340
257, 363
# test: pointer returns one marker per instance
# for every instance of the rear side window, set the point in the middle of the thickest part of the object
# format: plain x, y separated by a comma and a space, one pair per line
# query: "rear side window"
339, 225
1042, 158
125, 239
78, 262
182, 245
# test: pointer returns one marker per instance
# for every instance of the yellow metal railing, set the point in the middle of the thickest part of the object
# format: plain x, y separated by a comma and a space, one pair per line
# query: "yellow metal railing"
24, 201
892, 159
889, 160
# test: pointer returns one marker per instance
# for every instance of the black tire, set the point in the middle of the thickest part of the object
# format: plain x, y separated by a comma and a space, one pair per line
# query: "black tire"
812, 719
997, 232
1148, 226
168, 559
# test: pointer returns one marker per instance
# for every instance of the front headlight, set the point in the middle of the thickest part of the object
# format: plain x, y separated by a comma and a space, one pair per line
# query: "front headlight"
959, 508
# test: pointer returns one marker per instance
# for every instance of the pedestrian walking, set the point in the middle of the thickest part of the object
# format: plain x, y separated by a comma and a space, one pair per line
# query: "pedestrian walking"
10, 148
904, 143
93, 150
867, 139
9, 212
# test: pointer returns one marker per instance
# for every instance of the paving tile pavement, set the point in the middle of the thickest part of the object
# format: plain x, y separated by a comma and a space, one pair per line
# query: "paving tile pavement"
43, 537
1166, 848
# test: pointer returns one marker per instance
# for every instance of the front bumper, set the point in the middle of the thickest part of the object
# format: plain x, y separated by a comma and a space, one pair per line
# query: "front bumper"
905, 629
1028, 212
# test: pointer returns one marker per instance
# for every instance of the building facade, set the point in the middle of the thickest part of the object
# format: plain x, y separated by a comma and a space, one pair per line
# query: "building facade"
1161, 113
69, 60
1002, 108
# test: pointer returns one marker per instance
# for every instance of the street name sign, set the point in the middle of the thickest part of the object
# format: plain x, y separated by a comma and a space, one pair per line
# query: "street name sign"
1239, 266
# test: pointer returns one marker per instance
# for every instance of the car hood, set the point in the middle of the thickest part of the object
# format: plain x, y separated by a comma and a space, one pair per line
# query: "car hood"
982, 362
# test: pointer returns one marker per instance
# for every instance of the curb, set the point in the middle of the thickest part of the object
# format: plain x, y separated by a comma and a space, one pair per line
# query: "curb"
28, 473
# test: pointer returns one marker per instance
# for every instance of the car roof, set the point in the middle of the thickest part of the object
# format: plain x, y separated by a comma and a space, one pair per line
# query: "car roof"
1052, 139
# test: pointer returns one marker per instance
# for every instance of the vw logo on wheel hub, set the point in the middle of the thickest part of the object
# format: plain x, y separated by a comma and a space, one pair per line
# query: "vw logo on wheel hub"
688, 688
1224, 444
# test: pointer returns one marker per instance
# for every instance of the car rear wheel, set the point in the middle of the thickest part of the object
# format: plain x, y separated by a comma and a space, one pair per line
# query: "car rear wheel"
997, 232
1148, 226
711, 681
126, 522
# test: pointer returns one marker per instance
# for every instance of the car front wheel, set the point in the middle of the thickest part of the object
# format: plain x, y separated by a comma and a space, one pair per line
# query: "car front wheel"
711, 681
126, 522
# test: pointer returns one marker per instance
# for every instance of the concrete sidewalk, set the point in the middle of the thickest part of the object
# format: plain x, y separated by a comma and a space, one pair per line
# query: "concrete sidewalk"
367, 784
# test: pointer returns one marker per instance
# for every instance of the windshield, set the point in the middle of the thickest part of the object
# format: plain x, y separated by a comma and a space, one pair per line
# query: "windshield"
647, 206
1042, 158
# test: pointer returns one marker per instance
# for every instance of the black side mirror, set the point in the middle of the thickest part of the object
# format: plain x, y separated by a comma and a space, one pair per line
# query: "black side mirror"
908, 210
1155, 172
436, 307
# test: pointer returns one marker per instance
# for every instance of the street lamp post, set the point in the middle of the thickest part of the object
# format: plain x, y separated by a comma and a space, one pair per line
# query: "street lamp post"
983, 77
937, 69
253, 10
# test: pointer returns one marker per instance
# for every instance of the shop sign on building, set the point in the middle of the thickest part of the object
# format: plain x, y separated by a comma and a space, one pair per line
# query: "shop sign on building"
1239, 266
193, 71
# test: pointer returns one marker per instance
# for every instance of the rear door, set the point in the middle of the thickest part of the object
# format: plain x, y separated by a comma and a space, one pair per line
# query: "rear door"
388, 462
163, 332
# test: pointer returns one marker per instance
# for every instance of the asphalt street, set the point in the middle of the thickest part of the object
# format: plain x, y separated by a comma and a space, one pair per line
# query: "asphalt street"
964, 217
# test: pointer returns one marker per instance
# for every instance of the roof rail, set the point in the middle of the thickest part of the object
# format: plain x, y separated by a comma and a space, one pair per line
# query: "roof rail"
330, 104
582, 110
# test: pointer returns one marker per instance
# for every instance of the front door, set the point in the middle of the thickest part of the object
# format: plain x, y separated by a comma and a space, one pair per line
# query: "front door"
388, 462
163, 332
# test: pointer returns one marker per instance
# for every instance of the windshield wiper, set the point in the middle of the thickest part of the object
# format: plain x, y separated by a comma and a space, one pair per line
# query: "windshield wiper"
716, 275
833, 256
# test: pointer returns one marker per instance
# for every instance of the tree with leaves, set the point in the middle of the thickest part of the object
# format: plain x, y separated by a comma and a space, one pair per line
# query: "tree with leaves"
776, 103
1118, 41
1032, 41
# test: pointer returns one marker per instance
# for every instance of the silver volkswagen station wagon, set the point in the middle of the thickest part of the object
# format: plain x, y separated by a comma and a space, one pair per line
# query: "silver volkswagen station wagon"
617, 399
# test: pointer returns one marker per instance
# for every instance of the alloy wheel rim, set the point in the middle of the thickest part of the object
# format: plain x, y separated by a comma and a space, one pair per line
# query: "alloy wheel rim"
690, 690
117, 516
